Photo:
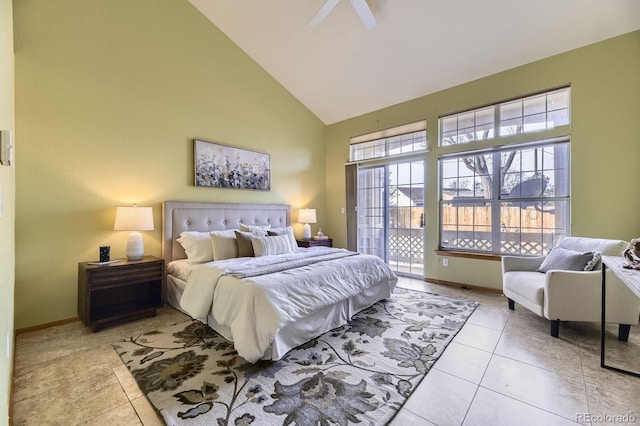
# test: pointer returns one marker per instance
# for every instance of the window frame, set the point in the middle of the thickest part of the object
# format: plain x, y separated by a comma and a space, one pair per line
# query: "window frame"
496, 145
496, 129
384, 139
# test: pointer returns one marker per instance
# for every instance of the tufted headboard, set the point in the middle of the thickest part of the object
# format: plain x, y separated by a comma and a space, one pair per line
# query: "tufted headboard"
180, 216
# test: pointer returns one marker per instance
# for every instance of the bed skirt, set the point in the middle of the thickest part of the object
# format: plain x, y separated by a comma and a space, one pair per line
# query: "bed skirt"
295, 334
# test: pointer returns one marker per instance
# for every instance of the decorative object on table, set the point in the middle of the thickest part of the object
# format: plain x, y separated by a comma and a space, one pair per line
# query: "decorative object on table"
108, 262
105, 253
363, 371
632, 254
320, 235
222, 166
134, 219
307, 216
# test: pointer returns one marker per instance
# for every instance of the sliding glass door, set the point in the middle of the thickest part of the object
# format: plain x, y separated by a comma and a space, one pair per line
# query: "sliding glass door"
391, 214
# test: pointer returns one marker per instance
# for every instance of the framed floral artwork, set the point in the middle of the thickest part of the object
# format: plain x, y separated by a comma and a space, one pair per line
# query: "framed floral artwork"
222, 166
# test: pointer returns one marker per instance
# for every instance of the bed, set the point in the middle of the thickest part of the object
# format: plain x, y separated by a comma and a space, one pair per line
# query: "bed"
267, 305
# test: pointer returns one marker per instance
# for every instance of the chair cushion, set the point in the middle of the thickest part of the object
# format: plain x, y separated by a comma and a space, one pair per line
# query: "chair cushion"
569, 260
526, 284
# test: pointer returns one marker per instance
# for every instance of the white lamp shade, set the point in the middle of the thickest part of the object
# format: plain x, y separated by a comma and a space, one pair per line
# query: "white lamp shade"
307, 216
134, 219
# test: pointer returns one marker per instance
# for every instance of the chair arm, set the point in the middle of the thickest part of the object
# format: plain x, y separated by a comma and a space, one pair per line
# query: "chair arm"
519, 263
572, 295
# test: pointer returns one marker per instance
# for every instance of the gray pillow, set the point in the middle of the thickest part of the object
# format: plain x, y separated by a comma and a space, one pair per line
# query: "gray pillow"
569, 260
245, 248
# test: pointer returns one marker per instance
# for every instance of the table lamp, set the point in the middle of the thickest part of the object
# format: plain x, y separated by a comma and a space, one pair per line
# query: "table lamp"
307, 216
134, 219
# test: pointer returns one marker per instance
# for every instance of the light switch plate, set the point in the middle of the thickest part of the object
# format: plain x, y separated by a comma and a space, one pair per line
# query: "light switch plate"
6, 147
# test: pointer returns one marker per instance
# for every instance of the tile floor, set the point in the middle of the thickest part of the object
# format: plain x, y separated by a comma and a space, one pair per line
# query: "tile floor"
502, 368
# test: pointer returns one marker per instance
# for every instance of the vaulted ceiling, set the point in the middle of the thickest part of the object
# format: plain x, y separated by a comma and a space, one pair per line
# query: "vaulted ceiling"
339, 69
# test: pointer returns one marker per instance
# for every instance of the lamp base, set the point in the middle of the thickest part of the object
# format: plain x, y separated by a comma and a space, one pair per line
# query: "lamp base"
135, 246
306, 232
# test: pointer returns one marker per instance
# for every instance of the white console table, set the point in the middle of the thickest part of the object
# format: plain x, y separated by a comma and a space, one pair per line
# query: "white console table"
630, 278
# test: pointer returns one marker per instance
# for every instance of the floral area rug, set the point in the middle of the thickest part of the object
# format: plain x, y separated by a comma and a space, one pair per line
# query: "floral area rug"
358, 373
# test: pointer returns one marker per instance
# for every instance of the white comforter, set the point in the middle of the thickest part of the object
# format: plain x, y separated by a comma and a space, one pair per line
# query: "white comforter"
254, 308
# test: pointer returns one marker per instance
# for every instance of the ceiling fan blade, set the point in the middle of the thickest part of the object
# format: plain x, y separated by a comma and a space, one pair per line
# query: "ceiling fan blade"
363, 10
323, 12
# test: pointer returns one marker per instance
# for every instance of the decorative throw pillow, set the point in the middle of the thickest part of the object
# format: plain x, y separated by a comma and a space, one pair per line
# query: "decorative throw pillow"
245, 248
569, 260
225, 245
595, 262
197, 245
267, 246
257, 230
288, 231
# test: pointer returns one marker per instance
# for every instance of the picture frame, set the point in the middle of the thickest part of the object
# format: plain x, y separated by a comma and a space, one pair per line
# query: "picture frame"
223, 166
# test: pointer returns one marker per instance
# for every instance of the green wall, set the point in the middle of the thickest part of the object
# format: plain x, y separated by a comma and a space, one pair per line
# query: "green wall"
7, 221
109, 95
605, 147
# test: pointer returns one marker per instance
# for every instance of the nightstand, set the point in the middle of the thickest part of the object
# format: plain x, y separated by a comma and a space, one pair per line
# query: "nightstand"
121, 291
315, 243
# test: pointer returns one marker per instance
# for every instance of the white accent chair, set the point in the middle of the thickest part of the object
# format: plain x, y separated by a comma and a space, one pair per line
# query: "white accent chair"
561, 295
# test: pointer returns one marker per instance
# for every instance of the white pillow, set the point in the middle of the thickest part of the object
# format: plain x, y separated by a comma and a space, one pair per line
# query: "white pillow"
288, 231
197, 245
257, 230
267, 246
225, 245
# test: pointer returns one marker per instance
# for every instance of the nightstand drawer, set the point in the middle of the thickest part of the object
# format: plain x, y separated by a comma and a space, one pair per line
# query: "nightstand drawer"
315, 243
131, 274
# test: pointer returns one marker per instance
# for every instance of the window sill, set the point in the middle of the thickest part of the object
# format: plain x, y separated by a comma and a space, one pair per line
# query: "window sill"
467, 255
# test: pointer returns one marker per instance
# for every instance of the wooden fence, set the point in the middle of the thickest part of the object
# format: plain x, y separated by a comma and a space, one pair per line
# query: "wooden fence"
523, 231
512, 218
454, 217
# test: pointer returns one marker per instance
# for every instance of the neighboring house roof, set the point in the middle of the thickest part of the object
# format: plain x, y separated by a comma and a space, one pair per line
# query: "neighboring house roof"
415, 194
453, 193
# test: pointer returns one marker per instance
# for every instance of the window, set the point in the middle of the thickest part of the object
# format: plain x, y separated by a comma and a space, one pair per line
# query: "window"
533, 113
387, 196
391, 214
397, 141
505, 199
